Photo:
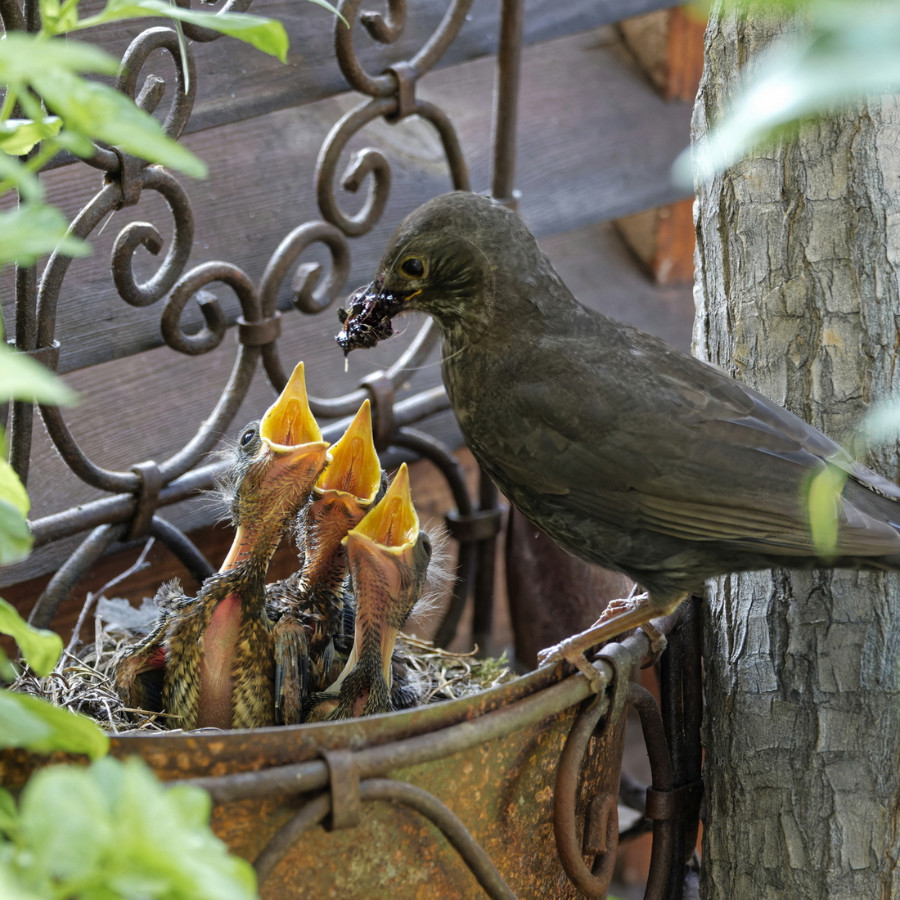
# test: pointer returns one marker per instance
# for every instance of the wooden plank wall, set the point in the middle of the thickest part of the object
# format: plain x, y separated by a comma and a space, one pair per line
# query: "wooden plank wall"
595, 143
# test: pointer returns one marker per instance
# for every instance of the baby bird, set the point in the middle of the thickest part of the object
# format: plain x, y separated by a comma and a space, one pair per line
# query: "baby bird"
313, 609
388, 556
215, 650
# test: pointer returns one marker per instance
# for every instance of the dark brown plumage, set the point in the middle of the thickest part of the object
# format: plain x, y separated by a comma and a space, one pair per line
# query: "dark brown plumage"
215, 650
627, 453
388, 556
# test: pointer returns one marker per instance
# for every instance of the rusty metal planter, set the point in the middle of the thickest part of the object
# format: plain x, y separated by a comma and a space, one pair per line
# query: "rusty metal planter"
428, 802
425, 803
514, 789
380, 785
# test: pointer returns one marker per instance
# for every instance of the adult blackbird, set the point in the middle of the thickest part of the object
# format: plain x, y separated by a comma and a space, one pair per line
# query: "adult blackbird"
627, 453
388, 556
215, 650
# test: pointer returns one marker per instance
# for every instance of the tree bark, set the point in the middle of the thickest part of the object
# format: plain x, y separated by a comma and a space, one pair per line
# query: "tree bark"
798, 248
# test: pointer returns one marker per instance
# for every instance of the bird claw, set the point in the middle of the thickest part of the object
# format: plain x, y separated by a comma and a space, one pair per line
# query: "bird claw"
658, 643
571, 652
618, 617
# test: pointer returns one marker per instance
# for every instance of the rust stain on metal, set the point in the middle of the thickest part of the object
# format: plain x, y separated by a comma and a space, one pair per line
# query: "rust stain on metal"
460, 799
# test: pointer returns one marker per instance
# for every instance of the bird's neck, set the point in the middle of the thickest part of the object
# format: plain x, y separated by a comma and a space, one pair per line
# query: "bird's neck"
252, 548
238, 588
325, 561
230, 600
214, 702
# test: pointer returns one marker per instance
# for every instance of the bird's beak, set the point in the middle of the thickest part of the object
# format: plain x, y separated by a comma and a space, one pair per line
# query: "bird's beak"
393, 525
342, 495
387, 568
288, 423
354, 469
292, 457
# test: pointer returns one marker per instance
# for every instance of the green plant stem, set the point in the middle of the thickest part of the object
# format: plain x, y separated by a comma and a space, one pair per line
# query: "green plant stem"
64, 10
9, 104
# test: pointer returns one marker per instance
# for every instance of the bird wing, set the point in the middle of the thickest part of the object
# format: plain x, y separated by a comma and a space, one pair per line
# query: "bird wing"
642, 434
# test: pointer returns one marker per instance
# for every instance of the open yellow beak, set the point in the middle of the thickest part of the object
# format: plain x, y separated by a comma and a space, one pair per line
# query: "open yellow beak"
289, 423
354, 467
285, 467
393, 523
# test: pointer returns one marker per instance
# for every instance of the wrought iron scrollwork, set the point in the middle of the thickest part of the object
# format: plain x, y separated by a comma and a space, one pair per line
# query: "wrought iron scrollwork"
393, 99
184, 91
172, 283
311, 295
144, 235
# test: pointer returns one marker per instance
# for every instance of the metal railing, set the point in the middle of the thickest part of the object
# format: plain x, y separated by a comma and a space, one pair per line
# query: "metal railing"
137, 495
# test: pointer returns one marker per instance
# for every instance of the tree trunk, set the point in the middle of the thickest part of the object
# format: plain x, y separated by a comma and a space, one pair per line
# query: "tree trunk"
796, 290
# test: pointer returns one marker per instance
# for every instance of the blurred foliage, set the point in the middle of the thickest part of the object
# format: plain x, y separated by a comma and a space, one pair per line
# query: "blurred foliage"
111, 830
57, 108
824, 507
832, 54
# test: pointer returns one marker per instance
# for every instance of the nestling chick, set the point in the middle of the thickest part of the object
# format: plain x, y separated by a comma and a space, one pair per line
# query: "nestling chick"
313, 609
388, 556
215, 650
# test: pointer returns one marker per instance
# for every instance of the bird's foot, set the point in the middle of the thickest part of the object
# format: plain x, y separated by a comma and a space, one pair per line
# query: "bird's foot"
658, 643
618, 617
572, 651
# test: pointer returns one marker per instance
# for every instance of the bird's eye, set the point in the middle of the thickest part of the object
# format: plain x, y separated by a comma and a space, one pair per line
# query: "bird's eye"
413, 267
247, 437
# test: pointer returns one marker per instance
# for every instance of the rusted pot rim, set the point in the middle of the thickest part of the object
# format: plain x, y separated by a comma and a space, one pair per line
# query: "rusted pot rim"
229, 762
379, 743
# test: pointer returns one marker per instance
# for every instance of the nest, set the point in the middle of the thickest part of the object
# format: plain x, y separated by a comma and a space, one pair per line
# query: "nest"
81, 681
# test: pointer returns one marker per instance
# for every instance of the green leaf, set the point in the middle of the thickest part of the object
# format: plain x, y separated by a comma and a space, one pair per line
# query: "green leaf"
145, 840
824, 507
21, 378
333, 9
12, 887
22, 178
76, 143
64, 822
97, 111
18, 136
265, 34
56, 18
8, 671
15, 538
9, 815
21, 55
41, 648
43, 728
33, 230
12, 490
